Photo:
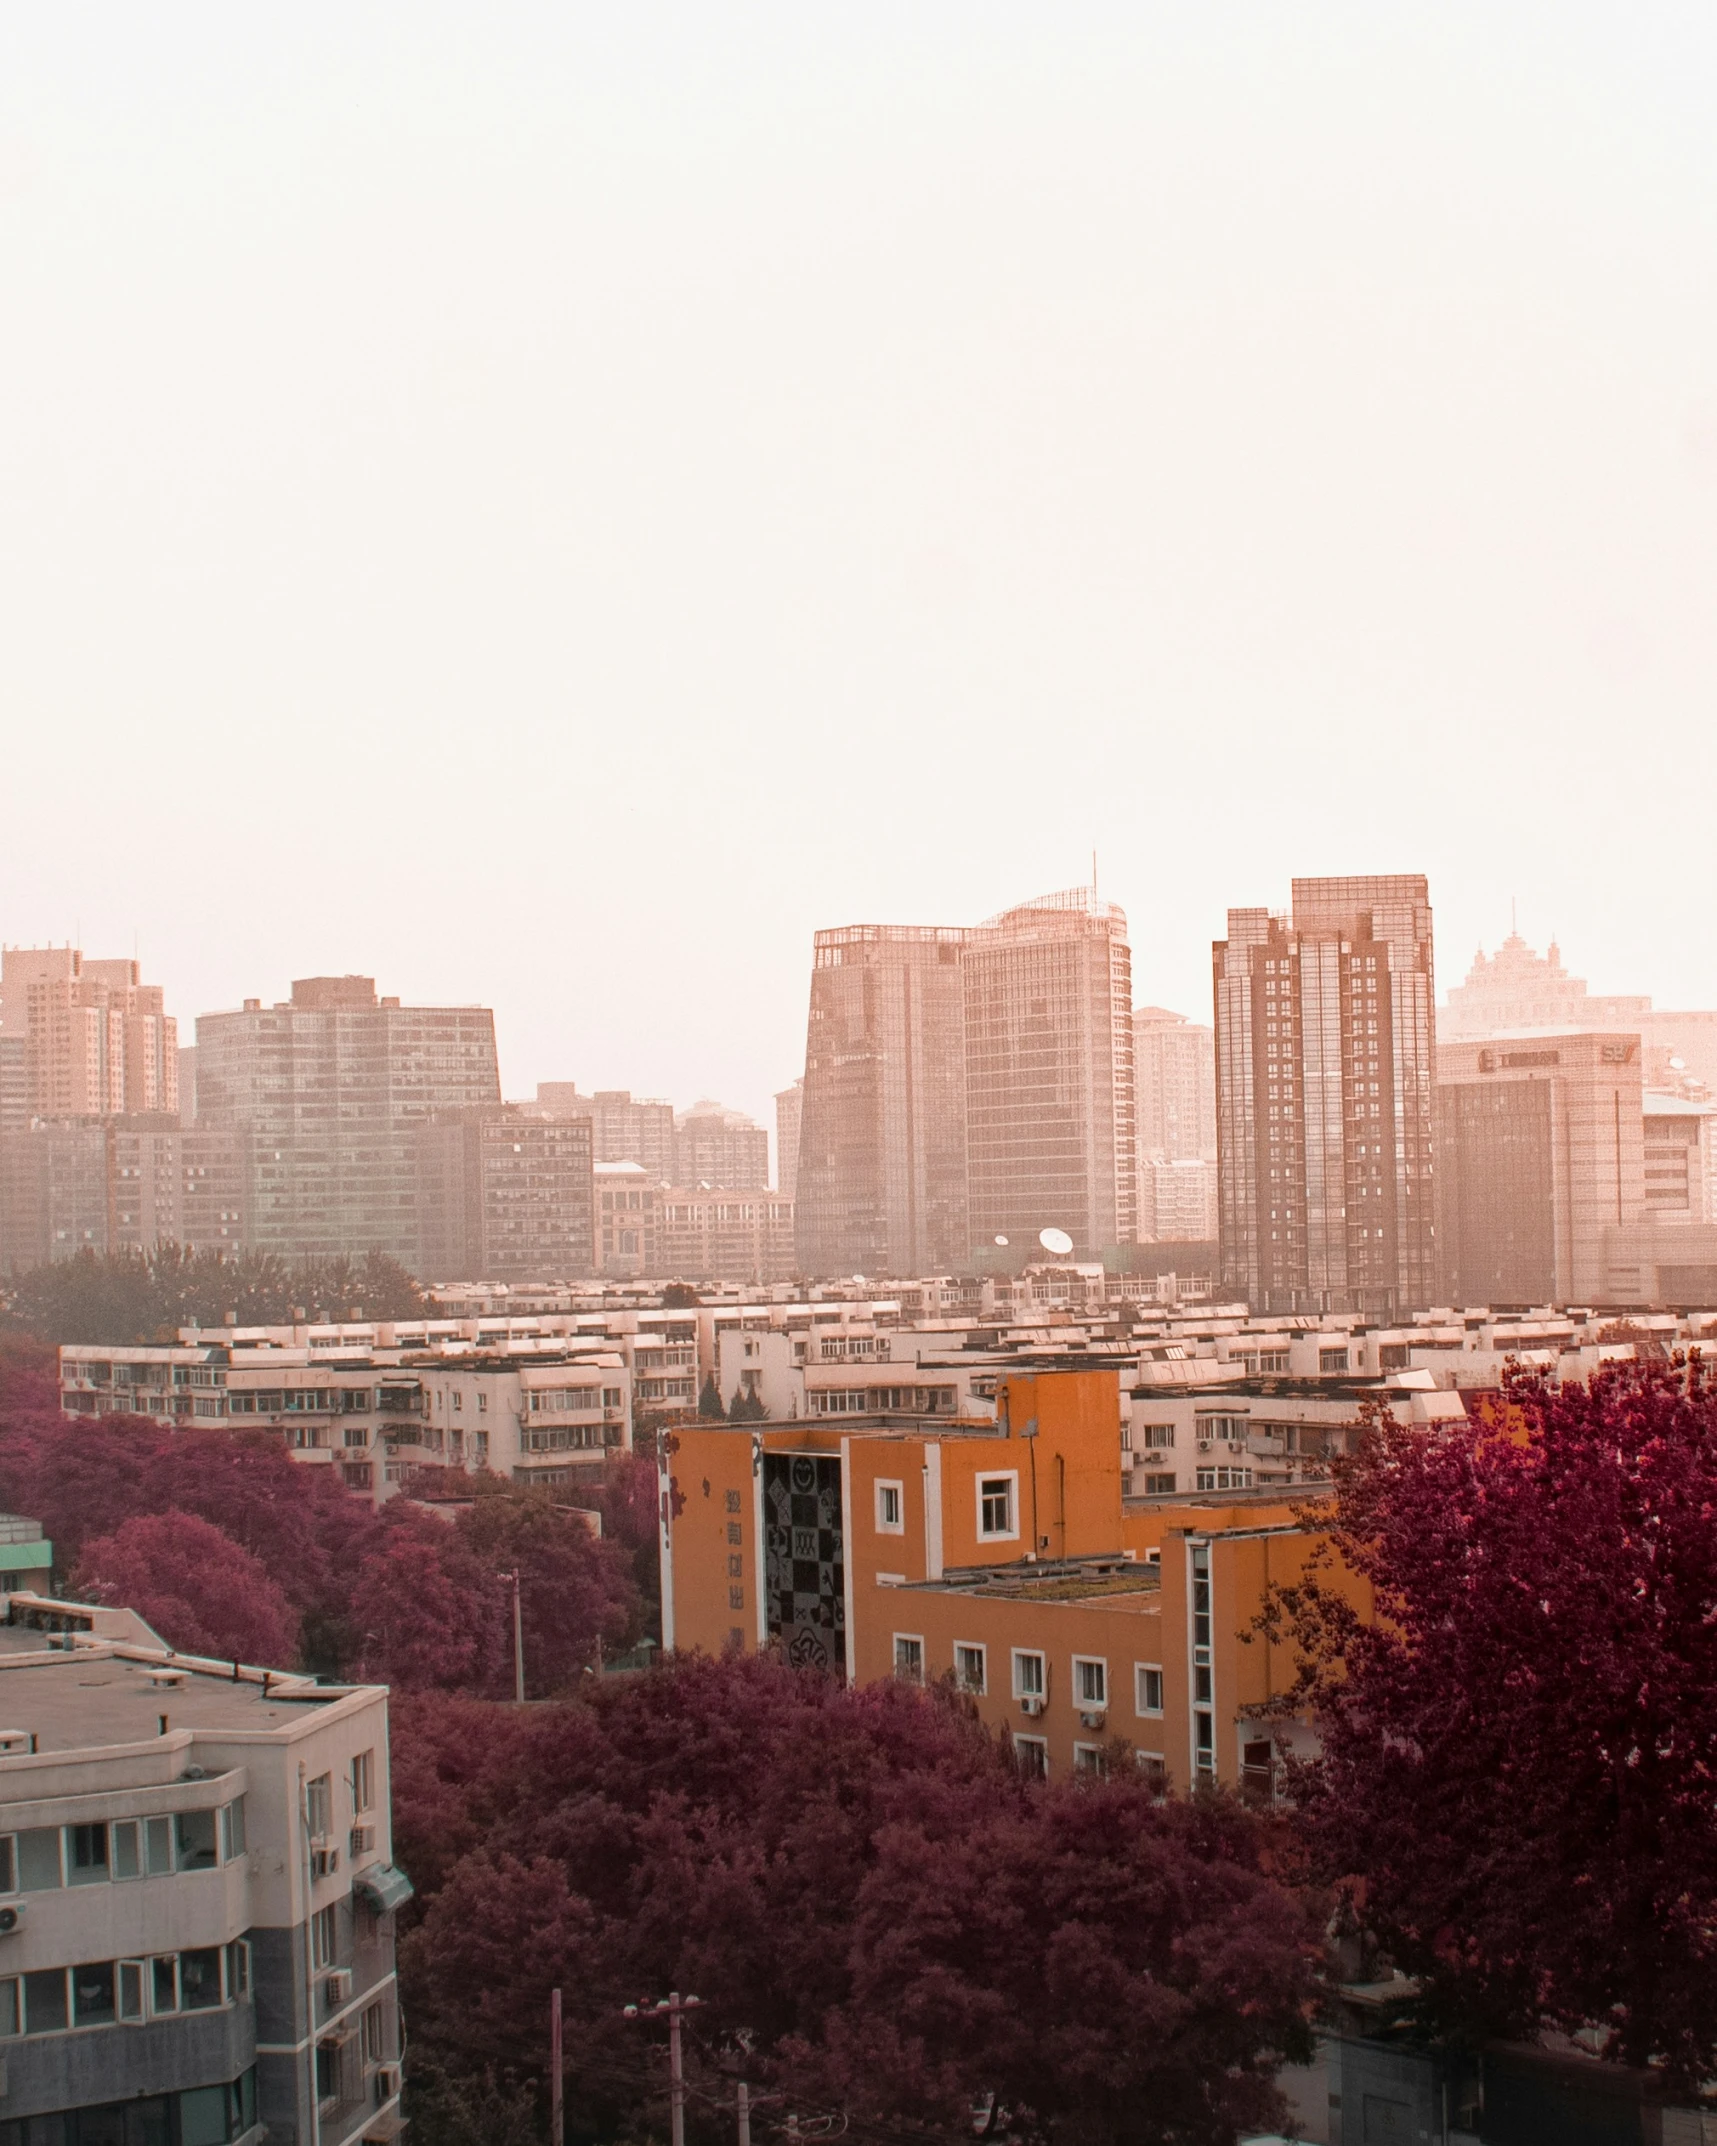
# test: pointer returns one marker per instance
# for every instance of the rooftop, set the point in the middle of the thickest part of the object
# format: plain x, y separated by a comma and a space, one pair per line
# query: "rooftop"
1115, 1581
78, 1677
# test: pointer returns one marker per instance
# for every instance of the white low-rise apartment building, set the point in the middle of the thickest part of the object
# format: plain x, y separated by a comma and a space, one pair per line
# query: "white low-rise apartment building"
197, 1896
383, 1406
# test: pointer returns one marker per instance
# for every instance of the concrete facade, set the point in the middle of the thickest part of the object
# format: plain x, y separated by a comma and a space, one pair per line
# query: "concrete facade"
198, 1898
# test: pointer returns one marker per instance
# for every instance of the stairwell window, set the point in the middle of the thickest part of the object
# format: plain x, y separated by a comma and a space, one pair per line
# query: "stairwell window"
890, 1509
1147, 1689
998, 1507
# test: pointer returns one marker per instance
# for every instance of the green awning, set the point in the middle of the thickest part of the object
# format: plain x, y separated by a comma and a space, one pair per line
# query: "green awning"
383, 1888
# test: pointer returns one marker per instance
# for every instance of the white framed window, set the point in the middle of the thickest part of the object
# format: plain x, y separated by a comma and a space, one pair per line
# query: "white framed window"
1030, 1680
971, 1667
1032, 1752
890, 1509
1154, 1767
324, 1937
1147, 1689
1090, 1680
998, 1507
1090, 1758
909, 1657
319, 1806
363, 1782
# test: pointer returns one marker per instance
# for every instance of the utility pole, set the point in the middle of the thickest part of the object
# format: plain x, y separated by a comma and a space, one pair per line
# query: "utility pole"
673, 2008
557, 2086
518, 1639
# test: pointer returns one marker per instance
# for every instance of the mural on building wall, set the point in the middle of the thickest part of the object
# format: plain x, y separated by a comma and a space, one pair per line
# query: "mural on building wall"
804, 1558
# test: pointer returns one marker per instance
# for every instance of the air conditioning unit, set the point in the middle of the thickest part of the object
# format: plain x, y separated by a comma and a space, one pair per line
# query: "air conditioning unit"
1094, 1719
1205, 1444
324, 1862
11, 1915
337, 1986
387, 2081
362, 1841
1031, 1704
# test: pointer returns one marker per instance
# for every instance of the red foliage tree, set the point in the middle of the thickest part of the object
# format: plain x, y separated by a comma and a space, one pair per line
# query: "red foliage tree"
863, 1882
425, 1614
1519, 1757
203, 1592
576, 1590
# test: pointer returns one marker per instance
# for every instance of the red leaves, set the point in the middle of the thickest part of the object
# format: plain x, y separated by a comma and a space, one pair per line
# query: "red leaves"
862, 1879
1521, 1756
195, 1586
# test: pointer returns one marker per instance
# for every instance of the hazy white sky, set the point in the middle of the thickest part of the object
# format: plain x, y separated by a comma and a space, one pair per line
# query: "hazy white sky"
550, 504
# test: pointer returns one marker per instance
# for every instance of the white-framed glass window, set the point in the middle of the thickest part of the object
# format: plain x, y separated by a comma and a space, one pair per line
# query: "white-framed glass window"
998, 1507
319, 1806
890, 1508
1147, 1688
324, 1937
1090, 1758
1154, 1767
1090, 1680
1030, 1678
971, 1666
909, 1657
1032, 1752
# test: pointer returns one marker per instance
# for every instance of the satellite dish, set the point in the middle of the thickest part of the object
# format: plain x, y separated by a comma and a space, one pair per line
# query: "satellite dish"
1056, 1241
1001, 1240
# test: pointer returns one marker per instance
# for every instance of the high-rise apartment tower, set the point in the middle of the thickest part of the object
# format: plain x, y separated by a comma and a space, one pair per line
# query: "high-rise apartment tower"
329, 1089
1174, 1070
789, 1108
1325, 1063
81, 1039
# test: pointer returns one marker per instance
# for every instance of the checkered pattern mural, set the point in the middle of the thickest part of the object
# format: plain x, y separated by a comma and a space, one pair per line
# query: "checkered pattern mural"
804, 1557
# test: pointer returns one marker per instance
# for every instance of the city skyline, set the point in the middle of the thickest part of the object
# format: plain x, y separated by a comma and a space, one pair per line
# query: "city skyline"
698, 1088
941, 444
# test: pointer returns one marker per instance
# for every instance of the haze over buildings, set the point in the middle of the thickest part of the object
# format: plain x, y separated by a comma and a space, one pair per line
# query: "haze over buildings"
971, 1094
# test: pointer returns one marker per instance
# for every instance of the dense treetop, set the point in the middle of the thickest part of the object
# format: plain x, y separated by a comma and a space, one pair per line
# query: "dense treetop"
122, 1297
1519, 1756
865, 1891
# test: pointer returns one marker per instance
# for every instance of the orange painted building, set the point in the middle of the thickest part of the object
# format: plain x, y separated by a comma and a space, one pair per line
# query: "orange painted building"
1001, 1556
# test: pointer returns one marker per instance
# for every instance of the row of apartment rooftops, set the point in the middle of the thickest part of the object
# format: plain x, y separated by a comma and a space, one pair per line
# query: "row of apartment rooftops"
855, 1340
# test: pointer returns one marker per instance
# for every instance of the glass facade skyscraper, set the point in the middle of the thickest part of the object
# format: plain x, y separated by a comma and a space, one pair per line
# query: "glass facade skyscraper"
1050, 1133
881, 1185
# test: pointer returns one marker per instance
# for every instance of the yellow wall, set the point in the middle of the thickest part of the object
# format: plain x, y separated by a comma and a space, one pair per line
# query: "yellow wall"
943, 1618
1254, 1544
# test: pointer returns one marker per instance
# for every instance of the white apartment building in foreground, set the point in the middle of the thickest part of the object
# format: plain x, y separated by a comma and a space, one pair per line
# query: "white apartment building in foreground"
196, 1898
